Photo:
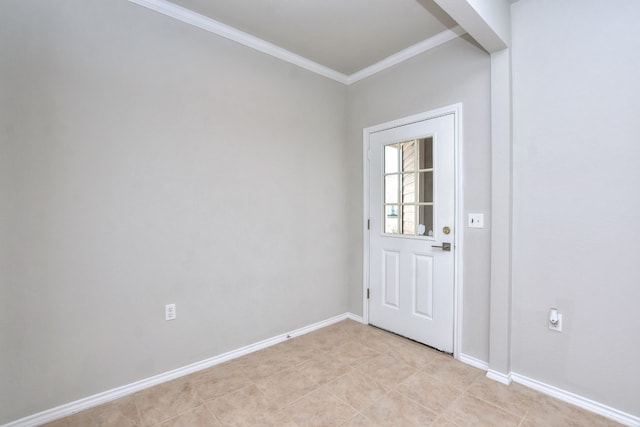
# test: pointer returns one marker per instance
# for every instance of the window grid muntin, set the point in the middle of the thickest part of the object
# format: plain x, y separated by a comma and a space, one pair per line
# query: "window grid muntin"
399, 171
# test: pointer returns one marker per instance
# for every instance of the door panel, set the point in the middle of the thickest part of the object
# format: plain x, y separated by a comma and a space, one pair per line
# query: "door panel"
412, 213
423, 286
391, 284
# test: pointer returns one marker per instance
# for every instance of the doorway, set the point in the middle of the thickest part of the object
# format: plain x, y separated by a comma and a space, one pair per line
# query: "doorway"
412, 245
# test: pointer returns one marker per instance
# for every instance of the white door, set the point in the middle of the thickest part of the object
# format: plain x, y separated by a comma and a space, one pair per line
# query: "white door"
411, 272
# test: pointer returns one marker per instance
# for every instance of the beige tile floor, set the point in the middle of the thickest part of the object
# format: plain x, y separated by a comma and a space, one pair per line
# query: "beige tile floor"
346, 374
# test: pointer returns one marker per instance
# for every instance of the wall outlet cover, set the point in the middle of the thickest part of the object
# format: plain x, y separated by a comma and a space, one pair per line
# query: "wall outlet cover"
558, 326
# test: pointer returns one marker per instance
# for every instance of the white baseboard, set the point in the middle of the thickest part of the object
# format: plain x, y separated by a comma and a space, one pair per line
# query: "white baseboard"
118, 392
566, 396
476, 363
355, 317
580, 401
109, 395
481, 364
499, 376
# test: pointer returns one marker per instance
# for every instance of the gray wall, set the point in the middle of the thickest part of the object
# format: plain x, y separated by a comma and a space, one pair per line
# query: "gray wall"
143, 162
577, 200
146, 162
457, 71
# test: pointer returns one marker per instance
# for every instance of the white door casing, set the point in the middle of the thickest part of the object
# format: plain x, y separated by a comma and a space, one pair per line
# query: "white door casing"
413, 284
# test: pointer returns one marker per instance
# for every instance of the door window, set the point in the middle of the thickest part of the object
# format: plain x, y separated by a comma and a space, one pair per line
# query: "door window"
408, 188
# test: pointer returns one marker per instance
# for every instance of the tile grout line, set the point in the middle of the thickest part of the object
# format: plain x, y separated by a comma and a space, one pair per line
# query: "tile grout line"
330, 345
142, 423
498, 406
212, 414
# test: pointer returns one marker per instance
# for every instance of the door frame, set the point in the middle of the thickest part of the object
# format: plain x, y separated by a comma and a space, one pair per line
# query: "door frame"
456, 110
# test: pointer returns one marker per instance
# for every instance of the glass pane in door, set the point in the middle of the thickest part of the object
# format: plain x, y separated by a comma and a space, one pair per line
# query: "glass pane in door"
409, 219
391, 219
425, 147
408, 188
425, 220
391, 188
426, 187
408, 156
391, 158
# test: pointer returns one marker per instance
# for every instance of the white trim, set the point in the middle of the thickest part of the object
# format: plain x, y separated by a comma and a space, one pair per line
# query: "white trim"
476, 363
190, 17
499, 376
408, 53
415, 118
580, 401
118, 392
456, 110
459, 230
481, 364
355, 318
365, 223
205, 23
565, 396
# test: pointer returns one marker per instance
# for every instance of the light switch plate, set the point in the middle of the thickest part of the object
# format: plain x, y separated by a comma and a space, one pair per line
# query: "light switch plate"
169, 312
476, 220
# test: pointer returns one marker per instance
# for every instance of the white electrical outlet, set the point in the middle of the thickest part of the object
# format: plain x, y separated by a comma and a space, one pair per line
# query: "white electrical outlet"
476, 220
557, 325
169, 312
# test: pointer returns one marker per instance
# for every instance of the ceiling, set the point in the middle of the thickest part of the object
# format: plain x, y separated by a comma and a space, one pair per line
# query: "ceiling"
344, 36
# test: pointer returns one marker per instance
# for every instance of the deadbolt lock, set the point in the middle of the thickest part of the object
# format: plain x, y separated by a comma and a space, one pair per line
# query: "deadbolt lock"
446, 230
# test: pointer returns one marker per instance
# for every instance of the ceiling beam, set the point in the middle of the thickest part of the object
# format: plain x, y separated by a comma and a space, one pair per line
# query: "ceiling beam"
487, 21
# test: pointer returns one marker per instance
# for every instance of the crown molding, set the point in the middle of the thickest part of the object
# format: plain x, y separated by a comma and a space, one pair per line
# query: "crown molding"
407, 53
205, 23
190, 17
